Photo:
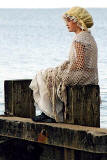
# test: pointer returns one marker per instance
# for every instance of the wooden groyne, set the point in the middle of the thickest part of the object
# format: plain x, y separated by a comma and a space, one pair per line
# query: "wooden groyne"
78, 138
83, 102
70, 136
61, 140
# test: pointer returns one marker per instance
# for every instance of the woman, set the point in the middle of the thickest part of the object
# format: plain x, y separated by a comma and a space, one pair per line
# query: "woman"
49, 86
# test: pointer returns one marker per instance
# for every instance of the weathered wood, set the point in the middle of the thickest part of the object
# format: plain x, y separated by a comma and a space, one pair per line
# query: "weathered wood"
19, 98
24, 150
16, 149
3, 140
76, 137
83, 106
83, 102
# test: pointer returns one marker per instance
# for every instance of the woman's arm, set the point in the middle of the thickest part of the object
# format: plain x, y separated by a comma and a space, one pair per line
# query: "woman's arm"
80, 54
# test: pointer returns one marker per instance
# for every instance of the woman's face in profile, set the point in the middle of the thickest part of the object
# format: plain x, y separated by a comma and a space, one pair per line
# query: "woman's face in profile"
72, 26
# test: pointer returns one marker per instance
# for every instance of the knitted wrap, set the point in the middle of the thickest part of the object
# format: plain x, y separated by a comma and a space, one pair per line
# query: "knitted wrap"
80, 68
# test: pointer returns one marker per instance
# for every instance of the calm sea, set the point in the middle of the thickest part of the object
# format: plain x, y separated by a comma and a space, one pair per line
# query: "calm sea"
34, 39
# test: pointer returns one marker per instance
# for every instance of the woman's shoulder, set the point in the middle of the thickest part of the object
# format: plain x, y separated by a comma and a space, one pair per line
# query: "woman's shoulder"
83, 34
84, 37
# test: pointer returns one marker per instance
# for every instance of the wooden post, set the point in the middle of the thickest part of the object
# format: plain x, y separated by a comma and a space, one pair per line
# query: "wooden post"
83, 106
18, 98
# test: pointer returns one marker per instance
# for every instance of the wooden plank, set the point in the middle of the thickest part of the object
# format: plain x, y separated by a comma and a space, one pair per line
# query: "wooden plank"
76, 137
19, 98
8, 97
16, 149
83, 106
83, 102
25, 150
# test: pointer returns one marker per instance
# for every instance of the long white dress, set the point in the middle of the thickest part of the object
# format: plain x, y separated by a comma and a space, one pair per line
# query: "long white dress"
49, 86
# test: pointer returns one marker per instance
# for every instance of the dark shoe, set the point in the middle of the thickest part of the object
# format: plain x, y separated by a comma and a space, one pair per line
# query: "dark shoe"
43, 118
49, 120
40, 118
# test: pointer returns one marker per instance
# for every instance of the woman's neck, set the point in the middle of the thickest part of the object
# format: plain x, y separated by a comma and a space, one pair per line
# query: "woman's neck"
77, 32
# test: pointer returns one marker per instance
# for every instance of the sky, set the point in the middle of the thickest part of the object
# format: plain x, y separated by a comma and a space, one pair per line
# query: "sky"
52, 3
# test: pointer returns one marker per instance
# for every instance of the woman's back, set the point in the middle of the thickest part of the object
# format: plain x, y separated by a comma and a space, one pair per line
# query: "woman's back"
87, 48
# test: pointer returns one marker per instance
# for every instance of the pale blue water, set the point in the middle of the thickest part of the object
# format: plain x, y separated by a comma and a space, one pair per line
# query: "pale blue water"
34, 39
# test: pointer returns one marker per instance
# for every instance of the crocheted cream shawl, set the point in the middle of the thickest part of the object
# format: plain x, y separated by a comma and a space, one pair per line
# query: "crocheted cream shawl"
79, 69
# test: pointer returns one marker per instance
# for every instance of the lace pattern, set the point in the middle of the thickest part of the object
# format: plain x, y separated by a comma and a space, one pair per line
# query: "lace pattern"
80, 69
